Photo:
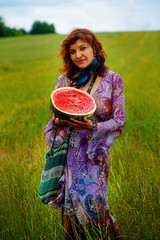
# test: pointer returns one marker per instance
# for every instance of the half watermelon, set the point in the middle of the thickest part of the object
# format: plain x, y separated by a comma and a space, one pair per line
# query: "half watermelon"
69, 102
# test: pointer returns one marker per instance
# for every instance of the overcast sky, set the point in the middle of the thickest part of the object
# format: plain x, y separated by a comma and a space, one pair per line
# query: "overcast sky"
97, 15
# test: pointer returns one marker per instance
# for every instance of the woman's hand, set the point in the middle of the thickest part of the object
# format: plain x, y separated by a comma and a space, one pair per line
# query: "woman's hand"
60, 122
80, 125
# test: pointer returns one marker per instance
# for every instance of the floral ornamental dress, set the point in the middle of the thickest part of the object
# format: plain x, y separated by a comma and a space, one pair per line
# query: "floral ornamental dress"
85, 181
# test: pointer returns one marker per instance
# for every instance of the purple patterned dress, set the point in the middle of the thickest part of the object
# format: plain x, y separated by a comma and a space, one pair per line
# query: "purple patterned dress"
84, 184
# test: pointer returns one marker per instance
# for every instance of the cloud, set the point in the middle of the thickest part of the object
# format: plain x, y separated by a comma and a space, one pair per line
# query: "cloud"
102, 15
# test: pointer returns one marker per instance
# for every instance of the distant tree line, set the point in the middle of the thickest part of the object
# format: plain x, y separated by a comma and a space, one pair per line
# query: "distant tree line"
37, 28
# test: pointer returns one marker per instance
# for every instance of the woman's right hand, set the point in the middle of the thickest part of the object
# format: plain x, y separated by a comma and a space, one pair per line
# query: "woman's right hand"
59, 122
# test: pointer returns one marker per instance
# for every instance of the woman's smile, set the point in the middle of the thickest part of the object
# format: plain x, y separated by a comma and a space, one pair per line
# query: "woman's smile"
80, 61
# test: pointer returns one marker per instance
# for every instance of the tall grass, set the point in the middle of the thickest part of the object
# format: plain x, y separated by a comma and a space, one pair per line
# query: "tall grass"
28, 73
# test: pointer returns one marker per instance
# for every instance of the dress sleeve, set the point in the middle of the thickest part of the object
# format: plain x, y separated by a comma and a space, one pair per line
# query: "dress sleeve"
106, 132
50, 128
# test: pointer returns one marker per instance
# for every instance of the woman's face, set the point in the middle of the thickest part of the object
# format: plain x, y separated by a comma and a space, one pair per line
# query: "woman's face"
81, 53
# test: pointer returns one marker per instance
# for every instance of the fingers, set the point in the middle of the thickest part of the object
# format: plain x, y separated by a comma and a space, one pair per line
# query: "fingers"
81, 125
59, 122
74, 123
71, 124
80, 121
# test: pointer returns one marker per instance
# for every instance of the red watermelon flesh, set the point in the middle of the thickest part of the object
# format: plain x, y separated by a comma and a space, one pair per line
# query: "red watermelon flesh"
72, 102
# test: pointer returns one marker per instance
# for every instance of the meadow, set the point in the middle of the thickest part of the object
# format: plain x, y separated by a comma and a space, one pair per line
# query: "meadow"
28, 73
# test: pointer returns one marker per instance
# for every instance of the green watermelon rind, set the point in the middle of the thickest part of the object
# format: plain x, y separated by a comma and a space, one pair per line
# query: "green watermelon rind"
67, 116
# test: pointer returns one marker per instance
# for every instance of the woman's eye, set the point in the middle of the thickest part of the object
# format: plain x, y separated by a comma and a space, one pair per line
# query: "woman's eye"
82, 48
72, 52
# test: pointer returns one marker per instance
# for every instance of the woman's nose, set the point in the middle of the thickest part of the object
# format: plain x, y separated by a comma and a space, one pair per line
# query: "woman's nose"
78, 54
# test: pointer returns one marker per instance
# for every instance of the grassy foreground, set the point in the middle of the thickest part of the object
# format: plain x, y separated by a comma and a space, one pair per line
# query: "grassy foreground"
28, 73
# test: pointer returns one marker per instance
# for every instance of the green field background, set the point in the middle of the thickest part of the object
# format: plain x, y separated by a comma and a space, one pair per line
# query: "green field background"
28, 73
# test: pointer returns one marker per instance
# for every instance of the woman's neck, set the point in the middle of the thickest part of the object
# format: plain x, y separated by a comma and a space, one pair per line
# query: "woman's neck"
85, 88
95, 85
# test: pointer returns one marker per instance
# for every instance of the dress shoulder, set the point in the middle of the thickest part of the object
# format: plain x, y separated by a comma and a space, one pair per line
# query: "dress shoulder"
112, 74
63, 81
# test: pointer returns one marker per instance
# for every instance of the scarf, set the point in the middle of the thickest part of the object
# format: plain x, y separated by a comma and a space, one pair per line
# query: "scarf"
84, 74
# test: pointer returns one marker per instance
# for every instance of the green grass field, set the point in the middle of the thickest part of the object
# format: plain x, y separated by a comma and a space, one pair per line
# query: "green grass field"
28, 73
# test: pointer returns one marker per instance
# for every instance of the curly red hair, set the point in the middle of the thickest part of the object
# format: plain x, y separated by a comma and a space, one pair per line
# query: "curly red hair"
87, 35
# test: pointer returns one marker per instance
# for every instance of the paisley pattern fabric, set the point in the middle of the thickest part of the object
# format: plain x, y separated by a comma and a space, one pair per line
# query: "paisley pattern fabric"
84, 184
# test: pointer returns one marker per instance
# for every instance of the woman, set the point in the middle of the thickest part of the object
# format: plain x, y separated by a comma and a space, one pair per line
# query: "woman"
83, 197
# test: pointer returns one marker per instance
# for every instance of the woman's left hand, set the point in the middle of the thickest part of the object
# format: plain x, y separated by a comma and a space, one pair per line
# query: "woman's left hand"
86, 124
